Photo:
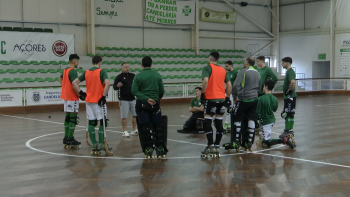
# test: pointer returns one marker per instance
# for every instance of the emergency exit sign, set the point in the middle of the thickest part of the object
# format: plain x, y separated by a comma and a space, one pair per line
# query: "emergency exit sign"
322, 56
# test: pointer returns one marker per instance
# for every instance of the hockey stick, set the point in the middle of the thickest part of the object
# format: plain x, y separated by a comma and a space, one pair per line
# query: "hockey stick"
87, 132
109, 153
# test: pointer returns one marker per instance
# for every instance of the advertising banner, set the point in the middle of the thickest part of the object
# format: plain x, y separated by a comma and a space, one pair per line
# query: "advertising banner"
51, 96
345, 40
171, 12
218, 17
28, 46
10, 98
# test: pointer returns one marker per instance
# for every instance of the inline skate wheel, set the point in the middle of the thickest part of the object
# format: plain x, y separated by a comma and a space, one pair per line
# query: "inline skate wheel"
76, 146
237, 150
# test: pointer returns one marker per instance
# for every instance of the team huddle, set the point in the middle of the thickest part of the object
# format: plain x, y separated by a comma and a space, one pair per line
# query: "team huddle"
245, 96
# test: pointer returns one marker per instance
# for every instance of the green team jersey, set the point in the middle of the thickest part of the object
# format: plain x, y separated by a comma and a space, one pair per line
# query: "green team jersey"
103, 75
232, 77
290, 75
267, 105
195, 103
206, 72
147, 84
72, 75
265, 74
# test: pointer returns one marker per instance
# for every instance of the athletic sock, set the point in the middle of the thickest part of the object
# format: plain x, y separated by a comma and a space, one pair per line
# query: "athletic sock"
66, 125
219, 130
208, 131
91, 130
291, 123
73, 119
100, 134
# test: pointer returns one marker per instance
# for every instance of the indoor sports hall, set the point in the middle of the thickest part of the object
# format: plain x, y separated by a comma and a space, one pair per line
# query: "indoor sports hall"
38, 38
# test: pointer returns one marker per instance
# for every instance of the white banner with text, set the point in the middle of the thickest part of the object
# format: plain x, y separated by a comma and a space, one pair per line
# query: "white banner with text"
29, 46
10, 98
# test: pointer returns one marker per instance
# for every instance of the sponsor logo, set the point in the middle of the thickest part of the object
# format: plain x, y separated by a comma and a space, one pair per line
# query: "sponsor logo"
69, 106
2, 47
28, 47
59, 48
36, 97
207, 14
346, 42
186, 10
227, 16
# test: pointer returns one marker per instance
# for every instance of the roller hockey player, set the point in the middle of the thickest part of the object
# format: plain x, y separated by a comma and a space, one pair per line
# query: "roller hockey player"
149, 89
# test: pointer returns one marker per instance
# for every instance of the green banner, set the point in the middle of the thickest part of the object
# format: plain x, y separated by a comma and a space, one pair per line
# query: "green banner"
344, 50
322, 56
218, 17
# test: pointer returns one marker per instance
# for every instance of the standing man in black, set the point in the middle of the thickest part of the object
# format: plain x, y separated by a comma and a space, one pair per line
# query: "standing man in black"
127, 102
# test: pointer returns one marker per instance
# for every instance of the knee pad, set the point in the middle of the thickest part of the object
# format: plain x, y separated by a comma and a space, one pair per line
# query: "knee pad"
75, 120
218, 126
93, 123
207, 126
251, 126
106, 121
67, 119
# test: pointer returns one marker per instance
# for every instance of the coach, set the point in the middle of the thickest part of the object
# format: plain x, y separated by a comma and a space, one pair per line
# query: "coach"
122, 84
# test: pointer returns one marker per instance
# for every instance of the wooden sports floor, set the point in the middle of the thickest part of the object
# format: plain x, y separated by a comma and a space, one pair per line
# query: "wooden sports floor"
34, 163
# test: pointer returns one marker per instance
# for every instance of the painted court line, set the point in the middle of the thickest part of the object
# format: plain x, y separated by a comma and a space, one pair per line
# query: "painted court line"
307, 160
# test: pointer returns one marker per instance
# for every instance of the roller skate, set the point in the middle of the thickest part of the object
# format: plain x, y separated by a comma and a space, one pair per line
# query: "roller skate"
72, 143
95, 150
208, 152
65, 141
230, 146
102, 147
286, 133
148, 153
289, 140
216, 151
161, 151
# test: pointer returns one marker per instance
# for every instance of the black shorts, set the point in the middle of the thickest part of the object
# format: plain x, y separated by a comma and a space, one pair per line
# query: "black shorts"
245, 110
289, 105
213, 108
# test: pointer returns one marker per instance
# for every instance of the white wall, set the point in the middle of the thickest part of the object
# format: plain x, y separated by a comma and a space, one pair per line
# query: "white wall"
343, 15
304, 49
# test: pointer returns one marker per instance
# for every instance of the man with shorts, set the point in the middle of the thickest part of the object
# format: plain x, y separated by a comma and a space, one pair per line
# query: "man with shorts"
289, 96
194, 123
267, 105
97, 86
231, 74
123, 84
149, 89
245, 95
71, 101
266, 73
215, 102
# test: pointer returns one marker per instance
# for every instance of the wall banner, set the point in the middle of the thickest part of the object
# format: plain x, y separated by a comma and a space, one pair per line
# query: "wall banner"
345, 41
28, 46
51, 96
10, 98
218, 17
171, 12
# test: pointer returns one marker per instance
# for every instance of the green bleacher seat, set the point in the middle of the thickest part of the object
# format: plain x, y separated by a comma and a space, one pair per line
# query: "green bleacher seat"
107, 55
12, 71
54, 63
199, 76
100, 48
167, 93
112, 77
14, 62
21, 71
130, 62
7, 80
34, 63
63, 62
168, 69
2, 71
192, 76
137, 63
44, 63
99, 55
32, 70
18, 80
38, 30
7, 29
169, 77
24, 62
190, 92
19, 29
131, 70
164, 77
183, 69
175, 69
80, 70
160, 69
177, 77
198, 69
114, 70
114, 62
90, 55
28, 29
0, 80
51, 70
179, 92
138, 69
39, 79
57, 79
47, 30
42, 71
4, 63
106, 70
49, 79
184, 77
29, 80
106, 62
60, 70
